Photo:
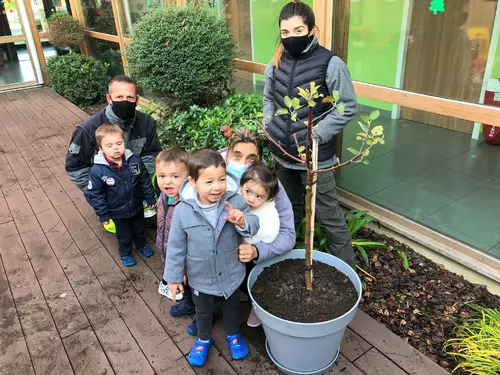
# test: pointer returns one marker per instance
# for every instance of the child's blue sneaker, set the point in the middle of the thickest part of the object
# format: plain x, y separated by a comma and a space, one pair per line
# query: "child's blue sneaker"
199, 352
192, 329
184, 307
147, 251
238, 346
128, 261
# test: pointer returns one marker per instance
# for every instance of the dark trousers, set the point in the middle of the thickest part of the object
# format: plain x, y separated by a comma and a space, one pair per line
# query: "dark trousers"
188, 294
205, 308
130, 230
328, 212
249, 267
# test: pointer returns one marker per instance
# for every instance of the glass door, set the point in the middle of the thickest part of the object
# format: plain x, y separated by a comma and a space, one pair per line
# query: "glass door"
18, 64
447, 55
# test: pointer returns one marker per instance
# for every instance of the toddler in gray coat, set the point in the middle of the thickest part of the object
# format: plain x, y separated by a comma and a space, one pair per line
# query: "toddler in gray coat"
205, 234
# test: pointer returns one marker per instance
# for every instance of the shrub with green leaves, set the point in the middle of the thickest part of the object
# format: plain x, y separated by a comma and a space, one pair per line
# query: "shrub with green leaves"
80, 79
65, 31
183, 54
199, 127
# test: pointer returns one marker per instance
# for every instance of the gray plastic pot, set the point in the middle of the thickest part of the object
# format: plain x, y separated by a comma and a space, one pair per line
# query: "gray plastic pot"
304, 348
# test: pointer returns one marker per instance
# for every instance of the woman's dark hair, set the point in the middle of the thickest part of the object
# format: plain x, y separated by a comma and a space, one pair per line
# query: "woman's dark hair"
244, 135
261, 174
292, 9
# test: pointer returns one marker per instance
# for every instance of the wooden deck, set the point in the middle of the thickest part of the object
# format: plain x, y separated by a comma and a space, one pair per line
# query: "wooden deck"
68, 306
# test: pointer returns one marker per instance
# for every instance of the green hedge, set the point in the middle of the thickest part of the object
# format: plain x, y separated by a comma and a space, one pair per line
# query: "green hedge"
81, 79
199, 127
183, 54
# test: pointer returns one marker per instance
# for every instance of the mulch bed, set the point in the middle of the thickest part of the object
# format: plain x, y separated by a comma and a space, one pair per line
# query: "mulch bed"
93, 109
419, 305
280, 290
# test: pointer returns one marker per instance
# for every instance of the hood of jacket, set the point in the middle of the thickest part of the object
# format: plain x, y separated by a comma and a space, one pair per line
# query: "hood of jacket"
188, 193
101, 159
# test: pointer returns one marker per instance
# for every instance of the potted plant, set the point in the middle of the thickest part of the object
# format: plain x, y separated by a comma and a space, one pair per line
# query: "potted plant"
304, 320
65, 33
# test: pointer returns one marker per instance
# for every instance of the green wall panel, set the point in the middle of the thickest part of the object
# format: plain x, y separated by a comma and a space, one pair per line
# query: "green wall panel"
374, 34
265, 26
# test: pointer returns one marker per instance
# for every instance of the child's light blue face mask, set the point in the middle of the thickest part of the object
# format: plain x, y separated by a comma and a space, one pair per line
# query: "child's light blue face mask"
236, 169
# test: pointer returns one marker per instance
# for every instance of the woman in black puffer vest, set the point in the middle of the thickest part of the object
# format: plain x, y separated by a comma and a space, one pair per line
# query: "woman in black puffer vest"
299, 60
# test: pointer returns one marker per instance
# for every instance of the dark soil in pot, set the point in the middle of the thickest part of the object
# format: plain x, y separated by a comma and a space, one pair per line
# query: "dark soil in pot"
281, 290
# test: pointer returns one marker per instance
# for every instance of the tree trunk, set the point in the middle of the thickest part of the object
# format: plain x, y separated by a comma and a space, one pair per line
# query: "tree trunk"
310, 201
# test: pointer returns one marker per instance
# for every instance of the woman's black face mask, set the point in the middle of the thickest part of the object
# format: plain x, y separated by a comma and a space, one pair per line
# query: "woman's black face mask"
295, 45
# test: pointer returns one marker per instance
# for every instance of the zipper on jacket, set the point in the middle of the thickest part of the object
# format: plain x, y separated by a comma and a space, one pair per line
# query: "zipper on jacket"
290, 88
165, 212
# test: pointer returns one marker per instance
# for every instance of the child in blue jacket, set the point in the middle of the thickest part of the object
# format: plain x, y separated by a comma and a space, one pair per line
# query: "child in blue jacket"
205, 233
118, 185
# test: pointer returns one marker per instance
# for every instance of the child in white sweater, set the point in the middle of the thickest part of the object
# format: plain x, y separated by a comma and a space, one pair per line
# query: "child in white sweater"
258, 187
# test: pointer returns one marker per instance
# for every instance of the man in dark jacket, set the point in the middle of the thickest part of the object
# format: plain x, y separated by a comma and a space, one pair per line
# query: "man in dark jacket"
139, 130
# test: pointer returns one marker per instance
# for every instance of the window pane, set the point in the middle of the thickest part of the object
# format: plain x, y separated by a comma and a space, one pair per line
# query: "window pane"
256, 31
132, 10
9, 19
42, 10
443, 55
49, 50
109, 53
15, 64
99, 16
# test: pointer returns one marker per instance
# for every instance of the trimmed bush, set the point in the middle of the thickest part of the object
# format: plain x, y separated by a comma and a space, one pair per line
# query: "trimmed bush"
80, 79
183, 54
65, 31
200, 127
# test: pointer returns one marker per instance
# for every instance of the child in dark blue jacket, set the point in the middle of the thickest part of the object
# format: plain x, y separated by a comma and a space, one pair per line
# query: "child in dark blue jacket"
118, 185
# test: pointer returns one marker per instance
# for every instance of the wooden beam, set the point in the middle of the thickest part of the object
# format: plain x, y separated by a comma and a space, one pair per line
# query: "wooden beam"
235, 25
117, 10
442, 106
323, 12
12, 39
77, 11
102, 36
250, 66
36, 39
17, 86
341, 20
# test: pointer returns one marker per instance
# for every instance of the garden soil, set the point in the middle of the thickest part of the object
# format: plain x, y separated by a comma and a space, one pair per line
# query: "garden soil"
421, 304
93, 109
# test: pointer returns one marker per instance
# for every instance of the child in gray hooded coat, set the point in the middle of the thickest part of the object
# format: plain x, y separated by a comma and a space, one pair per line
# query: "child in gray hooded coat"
205, 234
